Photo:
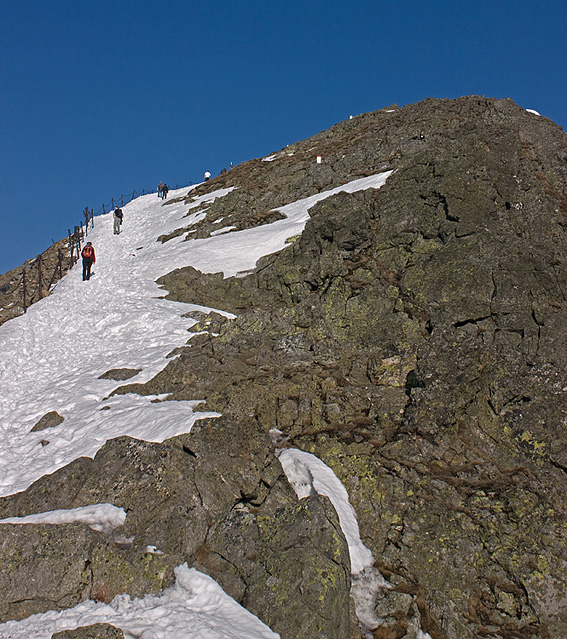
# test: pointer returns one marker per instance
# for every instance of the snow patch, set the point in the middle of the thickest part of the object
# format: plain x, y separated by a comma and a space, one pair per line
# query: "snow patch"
225, 229
52, 357
102, 517
309, 475
193, 608
239, 251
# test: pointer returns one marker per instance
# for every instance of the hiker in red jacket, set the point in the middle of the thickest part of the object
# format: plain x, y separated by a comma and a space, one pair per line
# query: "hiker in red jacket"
89, 259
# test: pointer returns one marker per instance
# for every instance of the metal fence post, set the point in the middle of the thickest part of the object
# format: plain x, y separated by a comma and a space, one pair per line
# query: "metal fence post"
70, 248
77, 242
39, 282
24, 286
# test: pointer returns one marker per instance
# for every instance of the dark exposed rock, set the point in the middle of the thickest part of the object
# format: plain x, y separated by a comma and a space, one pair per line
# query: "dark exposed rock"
11, 284
49, 420
120, 374
413, 338
216, 498
52, 567
96, 631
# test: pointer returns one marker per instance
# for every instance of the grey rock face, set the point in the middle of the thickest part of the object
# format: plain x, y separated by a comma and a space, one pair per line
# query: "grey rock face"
53, 567
120, 374
412, 338
216, 498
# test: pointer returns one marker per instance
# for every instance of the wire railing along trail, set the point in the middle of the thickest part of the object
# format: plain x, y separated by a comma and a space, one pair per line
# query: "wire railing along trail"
33, 283
124, 199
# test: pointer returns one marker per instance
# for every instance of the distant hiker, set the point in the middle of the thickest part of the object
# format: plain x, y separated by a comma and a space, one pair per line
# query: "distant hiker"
165, 191
118, 217
160, 189
223, 172
89, 259
207, 175
230, 167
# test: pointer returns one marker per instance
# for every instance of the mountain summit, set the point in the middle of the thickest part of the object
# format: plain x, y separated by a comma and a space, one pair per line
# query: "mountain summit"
362, 434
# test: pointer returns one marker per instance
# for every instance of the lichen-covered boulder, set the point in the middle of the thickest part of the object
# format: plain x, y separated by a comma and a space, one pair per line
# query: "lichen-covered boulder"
53, 567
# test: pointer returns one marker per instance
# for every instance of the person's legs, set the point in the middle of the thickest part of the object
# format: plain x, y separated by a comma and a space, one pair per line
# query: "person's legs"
87, 263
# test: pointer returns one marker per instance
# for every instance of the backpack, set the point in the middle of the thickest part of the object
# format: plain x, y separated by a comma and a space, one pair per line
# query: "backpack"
88, 252
118, 213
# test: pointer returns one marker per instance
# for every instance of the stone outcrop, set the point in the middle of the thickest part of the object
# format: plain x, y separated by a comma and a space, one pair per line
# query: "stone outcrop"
12, 285
49, 420
216, 499
413, 338
96, 631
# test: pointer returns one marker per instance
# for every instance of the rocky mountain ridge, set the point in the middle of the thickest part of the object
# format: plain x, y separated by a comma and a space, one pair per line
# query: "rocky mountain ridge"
413, 339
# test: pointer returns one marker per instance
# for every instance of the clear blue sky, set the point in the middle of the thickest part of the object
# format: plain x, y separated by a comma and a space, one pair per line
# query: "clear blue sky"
103, 97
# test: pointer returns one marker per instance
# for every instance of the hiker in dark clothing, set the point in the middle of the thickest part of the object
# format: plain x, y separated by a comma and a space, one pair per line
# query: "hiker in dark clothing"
89, 259
164, 191
118, 217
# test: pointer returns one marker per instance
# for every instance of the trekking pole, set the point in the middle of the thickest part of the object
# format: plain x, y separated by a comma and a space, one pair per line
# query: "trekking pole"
24, 286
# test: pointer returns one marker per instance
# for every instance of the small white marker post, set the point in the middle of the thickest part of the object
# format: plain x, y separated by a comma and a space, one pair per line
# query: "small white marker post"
318, 159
